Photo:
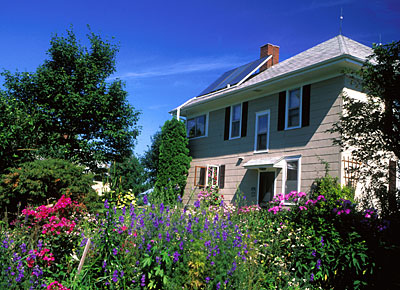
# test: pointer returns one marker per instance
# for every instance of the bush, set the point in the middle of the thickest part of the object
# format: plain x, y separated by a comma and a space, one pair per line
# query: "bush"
174, 161
41, 181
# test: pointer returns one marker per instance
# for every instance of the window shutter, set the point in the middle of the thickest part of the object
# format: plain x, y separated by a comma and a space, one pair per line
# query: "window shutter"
221, 177
281, 110
227, 122
202, 178
305, 116
245, 108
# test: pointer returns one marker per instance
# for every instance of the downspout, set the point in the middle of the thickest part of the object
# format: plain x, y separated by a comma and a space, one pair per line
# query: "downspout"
178, 109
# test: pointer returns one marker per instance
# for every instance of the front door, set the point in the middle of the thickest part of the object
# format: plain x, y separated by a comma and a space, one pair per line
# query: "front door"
266, 188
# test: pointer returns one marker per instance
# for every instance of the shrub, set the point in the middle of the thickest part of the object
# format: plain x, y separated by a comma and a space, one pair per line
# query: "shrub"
41, 181
174, 161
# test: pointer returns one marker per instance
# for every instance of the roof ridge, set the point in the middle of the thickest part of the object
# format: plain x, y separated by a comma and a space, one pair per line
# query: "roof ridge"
342, 44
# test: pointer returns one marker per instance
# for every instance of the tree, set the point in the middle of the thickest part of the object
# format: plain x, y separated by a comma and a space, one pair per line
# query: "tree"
174, 161
151, 157
76, 113
129, 175
371, 128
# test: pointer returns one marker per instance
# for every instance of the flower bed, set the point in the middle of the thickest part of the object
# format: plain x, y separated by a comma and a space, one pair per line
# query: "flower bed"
298, 243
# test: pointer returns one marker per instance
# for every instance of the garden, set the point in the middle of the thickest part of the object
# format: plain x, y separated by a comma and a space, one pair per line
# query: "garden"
319, 240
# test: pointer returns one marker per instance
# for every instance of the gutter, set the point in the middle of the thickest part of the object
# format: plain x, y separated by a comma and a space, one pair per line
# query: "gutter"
325, 63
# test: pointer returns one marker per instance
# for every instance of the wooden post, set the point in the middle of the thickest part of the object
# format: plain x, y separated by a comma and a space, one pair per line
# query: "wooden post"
85, 251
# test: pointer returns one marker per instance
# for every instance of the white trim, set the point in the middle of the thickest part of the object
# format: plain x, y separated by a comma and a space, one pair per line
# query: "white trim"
240, 122
287, 108
261, 113
205, 129
254, 70
284, 173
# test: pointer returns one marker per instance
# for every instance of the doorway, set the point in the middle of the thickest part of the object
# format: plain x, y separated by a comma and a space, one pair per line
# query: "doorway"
266, 187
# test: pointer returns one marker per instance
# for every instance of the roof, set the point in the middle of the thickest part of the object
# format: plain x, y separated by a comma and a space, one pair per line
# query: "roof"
333, 48
265, 162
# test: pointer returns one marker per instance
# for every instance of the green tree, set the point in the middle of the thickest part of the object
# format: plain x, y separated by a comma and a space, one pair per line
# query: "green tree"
74, 110
129, 175
174, 161
151, 157
370, 128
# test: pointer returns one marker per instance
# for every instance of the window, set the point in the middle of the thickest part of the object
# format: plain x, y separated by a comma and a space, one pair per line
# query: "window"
262, 131
293, 109
207, 176
292, 175
212, 176
196, 127
235, 121
200, 176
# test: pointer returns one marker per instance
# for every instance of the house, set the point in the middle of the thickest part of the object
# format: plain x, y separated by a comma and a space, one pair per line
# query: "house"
261, 129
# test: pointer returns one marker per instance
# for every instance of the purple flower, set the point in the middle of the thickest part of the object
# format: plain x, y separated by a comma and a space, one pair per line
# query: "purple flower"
218, 285
121, 219
207, 280
322, 242
143, 280
40, 245
145, 200
176, 257
314, 253
115, 251
318, 264
104, 264
179, 199
312, 277
23, 247
197, 203
106, 205
121, 274
115, 276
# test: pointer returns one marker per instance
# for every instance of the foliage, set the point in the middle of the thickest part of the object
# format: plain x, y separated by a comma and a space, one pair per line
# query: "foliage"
315, 243
128, 175
370, 128
40, 181
39, 249
331, 188
69, 104
16, 131
151, 157
174, 161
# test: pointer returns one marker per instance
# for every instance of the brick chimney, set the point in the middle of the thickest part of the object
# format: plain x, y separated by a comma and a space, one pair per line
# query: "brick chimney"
269, 49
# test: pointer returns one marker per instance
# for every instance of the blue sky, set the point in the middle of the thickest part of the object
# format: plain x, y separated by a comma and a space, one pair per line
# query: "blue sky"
171, 50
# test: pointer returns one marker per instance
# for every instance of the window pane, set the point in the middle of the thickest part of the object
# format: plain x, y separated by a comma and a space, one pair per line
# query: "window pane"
235, 129
291, 176
293, 117
201, 125
191, 127
236, 113
294, 99
262, 141
262, 124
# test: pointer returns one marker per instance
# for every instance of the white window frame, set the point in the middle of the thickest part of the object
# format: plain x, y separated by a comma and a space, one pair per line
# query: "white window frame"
266, 112
284, 175
287, 108
217, 179
205, 129
231, 121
